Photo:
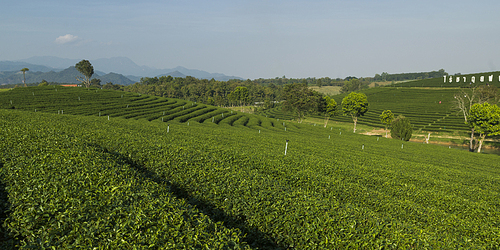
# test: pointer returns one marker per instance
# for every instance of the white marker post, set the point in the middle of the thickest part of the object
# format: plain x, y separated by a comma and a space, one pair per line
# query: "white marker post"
328, 136
259, 131
162, 119
213, 118
286, 146
168, 127
108, 117
401, 145
363, 147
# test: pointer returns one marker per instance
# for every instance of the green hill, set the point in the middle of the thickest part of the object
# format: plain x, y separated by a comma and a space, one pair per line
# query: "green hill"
212, 179
467, 80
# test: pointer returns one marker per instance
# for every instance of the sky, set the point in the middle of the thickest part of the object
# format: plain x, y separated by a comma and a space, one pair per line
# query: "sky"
262, 39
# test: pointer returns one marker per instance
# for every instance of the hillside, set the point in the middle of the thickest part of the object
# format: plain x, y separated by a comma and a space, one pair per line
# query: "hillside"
99, 168
65, 76
455, 81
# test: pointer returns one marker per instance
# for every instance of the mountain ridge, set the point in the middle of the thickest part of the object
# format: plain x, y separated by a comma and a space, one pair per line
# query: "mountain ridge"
124, 66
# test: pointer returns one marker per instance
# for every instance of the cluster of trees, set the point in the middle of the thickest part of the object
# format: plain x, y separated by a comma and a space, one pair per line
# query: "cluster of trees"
213, 92
408, 76
300, 100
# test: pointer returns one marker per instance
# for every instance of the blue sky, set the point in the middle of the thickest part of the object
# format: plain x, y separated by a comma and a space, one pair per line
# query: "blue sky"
267, 39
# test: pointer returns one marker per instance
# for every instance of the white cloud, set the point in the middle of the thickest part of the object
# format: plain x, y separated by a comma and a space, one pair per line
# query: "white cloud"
66, 39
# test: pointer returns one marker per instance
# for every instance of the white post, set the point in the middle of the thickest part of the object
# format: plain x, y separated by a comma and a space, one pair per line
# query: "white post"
401, 145
377, 138
213, 119
162, 119
328, 136
259, 131
340, 132
108, 117
286, 146
363, 147
168, 128
62, 112
99, 114
188, 123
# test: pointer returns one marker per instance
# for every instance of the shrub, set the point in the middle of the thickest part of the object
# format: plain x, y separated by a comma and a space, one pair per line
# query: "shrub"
401, 128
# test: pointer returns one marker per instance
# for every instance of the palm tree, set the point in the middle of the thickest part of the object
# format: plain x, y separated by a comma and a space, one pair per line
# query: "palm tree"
24, 75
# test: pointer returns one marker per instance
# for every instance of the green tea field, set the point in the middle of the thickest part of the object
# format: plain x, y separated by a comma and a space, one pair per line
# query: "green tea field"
98, 169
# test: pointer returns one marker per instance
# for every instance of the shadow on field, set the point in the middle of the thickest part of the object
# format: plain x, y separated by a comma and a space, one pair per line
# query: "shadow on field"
251, 235
6, 241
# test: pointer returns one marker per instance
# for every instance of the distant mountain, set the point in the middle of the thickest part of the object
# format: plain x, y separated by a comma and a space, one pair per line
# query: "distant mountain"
65, 76
17, 66
173, 74
125, 66
51, 61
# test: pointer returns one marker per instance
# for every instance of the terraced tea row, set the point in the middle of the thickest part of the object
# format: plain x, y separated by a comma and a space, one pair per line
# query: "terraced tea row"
113, 104
427, 109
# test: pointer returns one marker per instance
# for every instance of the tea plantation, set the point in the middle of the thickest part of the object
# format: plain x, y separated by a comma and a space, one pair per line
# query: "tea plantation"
210, 178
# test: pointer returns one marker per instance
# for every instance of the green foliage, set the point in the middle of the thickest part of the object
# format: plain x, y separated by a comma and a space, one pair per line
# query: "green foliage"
299, 99
87, 70
355, 105
485, 120
401, 128
354, 85
43, 83
386, 118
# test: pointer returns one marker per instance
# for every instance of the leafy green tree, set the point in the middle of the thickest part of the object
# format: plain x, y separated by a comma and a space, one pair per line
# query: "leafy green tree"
24, 75
95, 82
331, 107
355, 105
319, 83
43, 83
386, 118
401, 128
87, 71
484, 119
299, 99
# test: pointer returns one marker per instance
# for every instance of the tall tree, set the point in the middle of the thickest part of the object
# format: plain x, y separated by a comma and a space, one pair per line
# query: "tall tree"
87, 71
299, 99
331, 107
465, 99
485, 119
386, 118
24, 75
355, 105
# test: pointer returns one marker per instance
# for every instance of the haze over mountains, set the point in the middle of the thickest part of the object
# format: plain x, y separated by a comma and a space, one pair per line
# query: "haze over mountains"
49, 67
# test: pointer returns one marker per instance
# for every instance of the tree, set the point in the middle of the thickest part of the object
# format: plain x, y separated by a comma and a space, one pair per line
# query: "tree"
299, 99
43, 83
24, 75
386, 118
87, 71
319, 83
484, 119
331, 107
95, 83
401, 128
355, 105
466, 99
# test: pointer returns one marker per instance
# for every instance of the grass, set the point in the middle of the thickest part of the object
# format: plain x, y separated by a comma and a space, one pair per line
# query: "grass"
327, 90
